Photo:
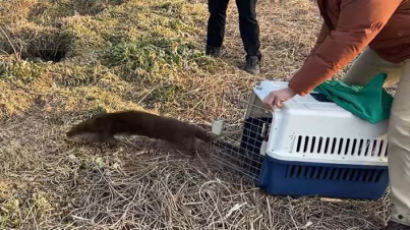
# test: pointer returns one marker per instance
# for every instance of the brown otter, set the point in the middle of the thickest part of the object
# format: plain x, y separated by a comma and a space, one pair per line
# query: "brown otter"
104, 126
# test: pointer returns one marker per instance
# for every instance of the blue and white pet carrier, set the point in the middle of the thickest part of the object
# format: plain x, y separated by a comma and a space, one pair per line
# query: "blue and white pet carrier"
310, 146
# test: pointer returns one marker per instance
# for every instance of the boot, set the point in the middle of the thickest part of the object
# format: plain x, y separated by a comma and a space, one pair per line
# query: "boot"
213, 51
391, 225
252, 65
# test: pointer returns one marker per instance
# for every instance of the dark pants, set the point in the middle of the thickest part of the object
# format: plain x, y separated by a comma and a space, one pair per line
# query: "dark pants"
248, 24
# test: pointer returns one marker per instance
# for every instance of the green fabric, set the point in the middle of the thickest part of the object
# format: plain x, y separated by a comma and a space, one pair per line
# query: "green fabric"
370, 102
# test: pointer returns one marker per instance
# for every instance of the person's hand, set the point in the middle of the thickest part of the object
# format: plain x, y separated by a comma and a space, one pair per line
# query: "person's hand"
276, 98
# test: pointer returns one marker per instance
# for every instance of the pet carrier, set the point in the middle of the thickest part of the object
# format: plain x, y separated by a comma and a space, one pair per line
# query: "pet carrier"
310, 146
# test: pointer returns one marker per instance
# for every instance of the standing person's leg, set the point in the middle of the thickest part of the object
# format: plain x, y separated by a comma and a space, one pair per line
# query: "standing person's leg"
249, 29
364, 68
368, 65
399, 150
216, 26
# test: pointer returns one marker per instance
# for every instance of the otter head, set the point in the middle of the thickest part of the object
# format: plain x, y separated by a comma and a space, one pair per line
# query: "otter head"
87, 131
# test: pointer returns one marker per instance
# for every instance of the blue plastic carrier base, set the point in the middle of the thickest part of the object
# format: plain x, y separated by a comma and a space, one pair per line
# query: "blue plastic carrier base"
278, 177
330, 180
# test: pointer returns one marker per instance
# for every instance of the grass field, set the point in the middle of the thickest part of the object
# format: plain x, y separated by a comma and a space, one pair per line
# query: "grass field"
63, 61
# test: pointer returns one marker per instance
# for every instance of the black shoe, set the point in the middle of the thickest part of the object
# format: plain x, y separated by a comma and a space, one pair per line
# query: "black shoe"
391, 225
213, 51
252, 65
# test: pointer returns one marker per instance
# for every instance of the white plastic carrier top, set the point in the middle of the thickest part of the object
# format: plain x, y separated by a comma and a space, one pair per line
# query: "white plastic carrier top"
309, 130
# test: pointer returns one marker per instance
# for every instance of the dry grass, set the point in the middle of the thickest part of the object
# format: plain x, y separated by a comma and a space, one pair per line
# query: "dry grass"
137, 54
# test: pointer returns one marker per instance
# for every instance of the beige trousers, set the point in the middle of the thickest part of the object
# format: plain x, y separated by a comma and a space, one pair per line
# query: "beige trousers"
364, 68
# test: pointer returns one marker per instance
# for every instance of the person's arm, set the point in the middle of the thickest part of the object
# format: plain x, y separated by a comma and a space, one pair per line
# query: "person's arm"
324, 32
359, 22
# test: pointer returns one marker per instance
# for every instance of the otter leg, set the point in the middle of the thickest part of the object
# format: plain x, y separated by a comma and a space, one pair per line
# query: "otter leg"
188, 144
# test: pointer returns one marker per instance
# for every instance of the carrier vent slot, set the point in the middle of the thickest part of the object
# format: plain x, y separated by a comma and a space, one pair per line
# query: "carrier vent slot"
312, 147
375, 148
360, 148
368, 148
305, 147
353, 150
331, 173
341, 146
298, 144
320, 145
347, 146
334, 145
326, 149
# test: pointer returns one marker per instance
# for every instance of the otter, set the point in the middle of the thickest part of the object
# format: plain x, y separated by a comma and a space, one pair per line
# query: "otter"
103, 128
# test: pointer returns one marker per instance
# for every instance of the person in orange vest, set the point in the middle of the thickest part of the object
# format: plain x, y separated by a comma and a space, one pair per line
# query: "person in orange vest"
378, 30
248, 26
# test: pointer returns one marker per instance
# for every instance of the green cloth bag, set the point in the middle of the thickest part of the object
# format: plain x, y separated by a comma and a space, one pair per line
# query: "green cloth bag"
370, 102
